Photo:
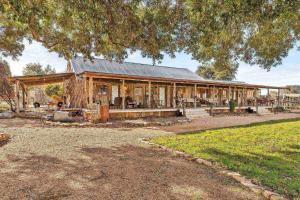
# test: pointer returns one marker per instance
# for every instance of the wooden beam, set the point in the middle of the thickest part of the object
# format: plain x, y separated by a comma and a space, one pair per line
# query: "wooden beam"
174, 95
91, 90
149, 94
195, 96
17, 96
278, 98
123, 94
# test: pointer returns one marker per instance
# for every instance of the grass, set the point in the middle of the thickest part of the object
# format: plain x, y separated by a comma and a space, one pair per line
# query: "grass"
268, 153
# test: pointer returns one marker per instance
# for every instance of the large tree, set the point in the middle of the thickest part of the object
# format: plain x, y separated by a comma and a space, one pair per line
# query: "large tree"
256, 31
6, 88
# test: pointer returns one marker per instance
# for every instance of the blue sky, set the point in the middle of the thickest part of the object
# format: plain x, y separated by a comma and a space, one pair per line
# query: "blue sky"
286, 74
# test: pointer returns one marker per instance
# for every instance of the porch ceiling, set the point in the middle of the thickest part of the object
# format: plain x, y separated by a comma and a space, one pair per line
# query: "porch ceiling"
42, 79
204, 83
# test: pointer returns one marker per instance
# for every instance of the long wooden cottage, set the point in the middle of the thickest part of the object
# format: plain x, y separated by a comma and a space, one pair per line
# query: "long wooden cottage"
128, 87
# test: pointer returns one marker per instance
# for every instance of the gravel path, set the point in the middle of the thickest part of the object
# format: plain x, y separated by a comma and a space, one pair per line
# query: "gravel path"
66, 142
102, 163
225, 121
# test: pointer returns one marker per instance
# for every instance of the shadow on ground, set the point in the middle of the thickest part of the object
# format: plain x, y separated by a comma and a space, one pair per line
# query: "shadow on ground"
126, 172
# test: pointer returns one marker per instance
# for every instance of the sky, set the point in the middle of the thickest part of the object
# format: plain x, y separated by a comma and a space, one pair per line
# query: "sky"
288, 73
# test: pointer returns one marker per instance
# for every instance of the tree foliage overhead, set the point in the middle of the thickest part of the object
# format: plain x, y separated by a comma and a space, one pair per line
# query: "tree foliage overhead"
254, 31
218, 71
37, 69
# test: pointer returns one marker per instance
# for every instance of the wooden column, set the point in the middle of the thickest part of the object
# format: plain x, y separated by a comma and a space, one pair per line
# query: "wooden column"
228, 94
149, 94
195, 96
268, 96
243, 97
23, 98
213, 94
168, 96
91, 91
278, 98
123, 94
26, 97
17, 96
256, 102
174, 95
85, 89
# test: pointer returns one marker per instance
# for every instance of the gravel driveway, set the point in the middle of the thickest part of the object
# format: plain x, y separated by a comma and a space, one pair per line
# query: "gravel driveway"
101, 163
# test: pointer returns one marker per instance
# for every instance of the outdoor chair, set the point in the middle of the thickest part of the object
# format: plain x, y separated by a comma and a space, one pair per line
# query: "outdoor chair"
117, 102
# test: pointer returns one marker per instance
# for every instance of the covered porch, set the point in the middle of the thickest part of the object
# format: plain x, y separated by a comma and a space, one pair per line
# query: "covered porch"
124, 92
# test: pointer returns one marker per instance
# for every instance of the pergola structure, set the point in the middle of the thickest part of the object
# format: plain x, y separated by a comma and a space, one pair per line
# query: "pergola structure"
23, 82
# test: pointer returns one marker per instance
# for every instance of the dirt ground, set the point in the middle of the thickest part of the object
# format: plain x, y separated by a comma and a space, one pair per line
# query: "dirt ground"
226, 121
101, 163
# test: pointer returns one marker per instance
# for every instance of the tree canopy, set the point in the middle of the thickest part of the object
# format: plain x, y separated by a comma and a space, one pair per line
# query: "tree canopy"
218, 71
37, 69
256, 31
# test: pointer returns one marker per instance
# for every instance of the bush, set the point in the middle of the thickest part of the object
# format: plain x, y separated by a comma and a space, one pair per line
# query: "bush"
232, 105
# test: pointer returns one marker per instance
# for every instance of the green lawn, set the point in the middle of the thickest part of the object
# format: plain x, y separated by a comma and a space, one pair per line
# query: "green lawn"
269, 152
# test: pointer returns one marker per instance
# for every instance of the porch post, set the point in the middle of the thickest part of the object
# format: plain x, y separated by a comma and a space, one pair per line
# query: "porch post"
149, 94
26, 97
91, 90
123, 94
85, 89
23, 98
213, 95
17, 96
278, 98
195, 95
268, 96
228, 94
174, 95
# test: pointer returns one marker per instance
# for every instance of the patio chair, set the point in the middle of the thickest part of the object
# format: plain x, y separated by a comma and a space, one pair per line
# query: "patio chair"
117, 102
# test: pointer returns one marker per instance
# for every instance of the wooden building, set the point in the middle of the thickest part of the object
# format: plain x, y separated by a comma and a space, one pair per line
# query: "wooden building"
125, 86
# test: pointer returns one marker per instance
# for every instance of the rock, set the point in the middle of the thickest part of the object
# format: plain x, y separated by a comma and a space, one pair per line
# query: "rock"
60, 116
205, 162
268, 194
7, 115
276, 197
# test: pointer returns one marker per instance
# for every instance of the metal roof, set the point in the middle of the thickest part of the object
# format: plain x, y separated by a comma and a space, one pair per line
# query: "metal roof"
138, 70
81, 65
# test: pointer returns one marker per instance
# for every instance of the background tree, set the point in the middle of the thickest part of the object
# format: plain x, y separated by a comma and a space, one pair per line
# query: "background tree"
37, 69
6, 88
54, 90
39, 94
294, 89
218, 71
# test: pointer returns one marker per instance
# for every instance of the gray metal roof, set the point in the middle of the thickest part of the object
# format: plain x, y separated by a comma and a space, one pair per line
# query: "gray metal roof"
81, 65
